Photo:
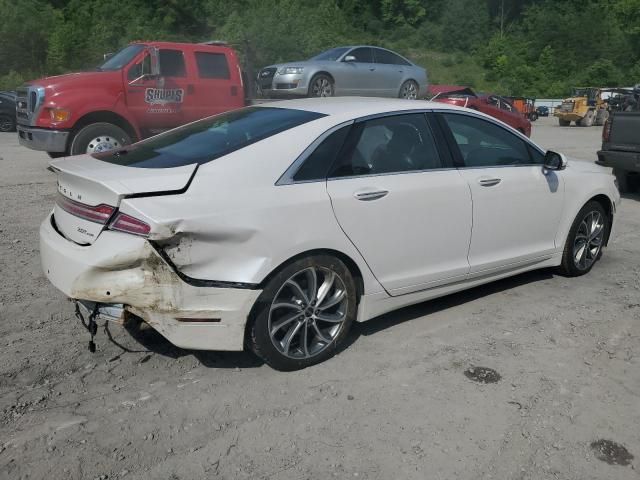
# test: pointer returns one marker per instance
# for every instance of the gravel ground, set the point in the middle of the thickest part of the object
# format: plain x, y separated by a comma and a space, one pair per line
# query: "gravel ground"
395, 404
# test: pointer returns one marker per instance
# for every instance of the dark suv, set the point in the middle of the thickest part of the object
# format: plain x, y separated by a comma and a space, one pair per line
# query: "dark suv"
7, 112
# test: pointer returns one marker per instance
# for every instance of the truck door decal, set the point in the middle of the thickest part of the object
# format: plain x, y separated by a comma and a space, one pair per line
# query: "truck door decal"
163, 100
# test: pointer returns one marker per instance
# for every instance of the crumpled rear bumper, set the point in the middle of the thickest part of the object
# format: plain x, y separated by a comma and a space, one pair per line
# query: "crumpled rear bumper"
124, 269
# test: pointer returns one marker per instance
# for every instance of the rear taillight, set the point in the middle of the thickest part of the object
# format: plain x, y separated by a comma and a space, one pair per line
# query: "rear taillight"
98, 214
128, 224
606, 130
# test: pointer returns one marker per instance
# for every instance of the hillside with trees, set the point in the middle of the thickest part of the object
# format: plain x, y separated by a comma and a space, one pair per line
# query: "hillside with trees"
520, 47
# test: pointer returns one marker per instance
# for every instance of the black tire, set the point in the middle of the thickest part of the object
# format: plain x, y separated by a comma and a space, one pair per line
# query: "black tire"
564, 123
302, 319
622, 177
533, 116
409, 90
321, 85
111, 137
588, 119
7, 123
569, 267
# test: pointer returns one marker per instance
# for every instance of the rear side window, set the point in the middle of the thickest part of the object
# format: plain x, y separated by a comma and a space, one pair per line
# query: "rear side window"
389, 58
485, 144
212, 65
203, 141
172, 63
395, 144
317, 165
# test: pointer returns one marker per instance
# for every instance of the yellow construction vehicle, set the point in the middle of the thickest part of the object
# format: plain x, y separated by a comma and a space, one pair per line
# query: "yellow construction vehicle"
585, 107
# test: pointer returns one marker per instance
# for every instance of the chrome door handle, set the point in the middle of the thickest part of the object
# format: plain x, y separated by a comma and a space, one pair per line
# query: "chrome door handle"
370, 195
489, 182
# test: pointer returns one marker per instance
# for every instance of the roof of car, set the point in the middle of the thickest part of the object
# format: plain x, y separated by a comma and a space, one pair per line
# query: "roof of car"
355, 107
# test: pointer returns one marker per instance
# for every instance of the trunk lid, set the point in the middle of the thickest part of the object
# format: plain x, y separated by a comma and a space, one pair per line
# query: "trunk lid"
87, 181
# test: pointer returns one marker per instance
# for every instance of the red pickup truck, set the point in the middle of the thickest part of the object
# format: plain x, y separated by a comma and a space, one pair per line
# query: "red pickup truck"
143, 89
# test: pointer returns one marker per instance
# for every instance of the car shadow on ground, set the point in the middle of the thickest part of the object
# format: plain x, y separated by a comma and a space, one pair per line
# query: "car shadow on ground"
154, 343
413, 312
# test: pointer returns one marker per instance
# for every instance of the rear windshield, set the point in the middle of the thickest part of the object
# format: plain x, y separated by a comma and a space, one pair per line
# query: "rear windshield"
208, 139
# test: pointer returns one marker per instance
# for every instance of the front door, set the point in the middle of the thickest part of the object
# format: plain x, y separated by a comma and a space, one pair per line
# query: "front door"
517, 204
158, 103
358, 75
407, 213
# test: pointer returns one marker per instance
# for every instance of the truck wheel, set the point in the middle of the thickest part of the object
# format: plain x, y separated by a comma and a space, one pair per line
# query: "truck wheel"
564, 123
622, 177
587, 120
7, 124
601, 117
99, 137
533, 116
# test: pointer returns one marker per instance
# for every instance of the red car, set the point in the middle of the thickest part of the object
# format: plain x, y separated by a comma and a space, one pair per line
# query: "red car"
493, 105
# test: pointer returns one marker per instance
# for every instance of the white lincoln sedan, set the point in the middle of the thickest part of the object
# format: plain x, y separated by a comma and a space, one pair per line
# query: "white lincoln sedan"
275, 227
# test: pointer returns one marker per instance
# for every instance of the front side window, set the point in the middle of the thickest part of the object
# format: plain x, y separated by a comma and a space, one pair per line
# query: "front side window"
172, 63
400, 143
212, 65
485, 144
205, 140
331, 55
362, 55
140, 68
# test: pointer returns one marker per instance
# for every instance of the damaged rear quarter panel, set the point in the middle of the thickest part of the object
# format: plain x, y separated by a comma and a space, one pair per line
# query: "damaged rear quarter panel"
235, 225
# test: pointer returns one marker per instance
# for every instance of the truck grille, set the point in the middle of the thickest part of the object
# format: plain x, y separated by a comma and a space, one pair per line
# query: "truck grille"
28, 103
265, 77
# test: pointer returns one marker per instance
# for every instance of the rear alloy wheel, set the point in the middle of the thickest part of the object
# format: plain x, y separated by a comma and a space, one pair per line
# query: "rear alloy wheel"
585, 240
321, 86
99, 137
409, 90
7, 124
304, 313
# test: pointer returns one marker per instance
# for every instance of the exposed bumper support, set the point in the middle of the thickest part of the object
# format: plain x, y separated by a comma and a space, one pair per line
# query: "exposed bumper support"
43, 139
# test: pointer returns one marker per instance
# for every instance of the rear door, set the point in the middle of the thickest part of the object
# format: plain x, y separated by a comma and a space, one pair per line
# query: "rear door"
215, 86
402, 205
390, 72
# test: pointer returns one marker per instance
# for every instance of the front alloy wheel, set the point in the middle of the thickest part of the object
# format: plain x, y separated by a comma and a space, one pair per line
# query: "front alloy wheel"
304, 313
321, 86
409, 90
588, 240
585, 241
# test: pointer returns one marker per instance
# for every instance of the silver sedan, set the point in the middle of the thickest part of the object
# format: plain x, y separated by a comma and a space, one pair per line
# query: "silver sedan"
355, 70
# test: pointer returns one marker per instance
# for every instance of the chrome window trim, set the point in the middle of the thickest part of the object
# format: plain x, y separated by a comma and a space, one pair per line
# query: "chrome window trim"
287, 177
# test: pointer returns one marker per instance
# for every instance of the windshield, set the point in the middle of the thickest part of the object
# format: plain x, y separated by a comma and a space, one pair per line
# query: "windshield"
331, 55
122, 58
208, 139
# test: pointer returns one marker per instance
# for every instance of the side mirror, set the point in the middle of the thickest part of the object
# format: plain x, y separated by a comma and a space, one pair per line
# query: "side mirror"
107, 56
554, 161
349, 58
